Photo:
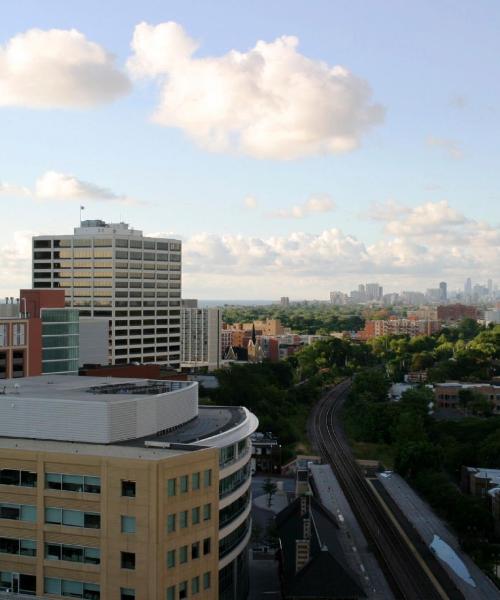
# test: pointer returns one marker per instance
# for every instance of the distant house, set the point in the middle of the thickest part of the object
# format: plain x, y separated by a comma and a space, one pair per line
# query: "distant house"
312, 563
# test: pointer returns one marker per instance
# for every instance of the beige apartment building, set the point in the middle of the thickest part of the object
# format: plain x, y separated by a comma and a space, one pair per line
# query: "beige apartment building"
147, 498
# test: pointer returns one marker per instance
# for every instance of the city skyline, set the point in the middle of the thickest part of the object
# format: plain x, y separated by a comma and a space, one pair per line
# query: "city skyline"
365, 178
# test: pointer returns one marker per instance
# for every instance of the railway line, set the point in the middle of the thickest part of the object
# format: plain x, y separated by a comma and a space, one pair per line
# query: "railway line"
405, 570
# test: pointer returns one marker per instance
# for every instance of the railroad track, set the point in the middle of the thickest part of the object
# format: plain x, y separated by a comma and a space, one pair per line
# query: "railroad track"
408, 578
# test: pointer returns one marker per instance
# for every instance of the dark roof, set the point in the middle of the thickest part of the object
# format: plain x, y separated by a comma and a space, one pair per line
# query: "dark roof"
327, 574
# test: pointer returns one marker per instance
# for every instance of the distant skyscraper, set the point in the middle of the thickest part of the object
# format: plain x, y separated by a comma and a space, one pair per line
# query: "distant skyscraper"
468, 287
285, 301
373, 291
444, 291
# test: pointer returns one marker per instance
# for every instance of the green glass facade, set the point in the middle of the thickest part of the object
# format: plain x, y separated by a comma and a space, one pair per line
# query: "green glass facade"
60, 340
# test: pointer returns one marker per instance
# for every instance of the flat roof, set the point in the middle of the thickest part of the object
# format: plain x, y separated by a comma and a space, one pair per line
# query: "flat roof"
210, 421
90, 389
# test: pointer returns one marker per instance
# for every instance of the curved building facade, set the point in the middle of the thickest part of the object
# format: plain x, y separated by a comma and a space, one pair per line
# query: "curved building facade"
129, 487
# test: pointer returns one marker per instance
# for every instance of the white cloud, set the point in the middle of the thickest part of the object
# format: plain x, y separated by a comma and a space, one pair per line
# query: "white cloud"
450, 147
60, 186
9, 189
53, 185
425, 244
58, 68
15, 266
268, 102
427, 218
315, 204
386, 211
250, 202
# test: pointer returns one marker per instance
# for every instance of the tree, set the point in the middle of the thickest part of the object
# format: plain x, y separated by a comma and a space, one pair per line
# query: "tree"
269, 488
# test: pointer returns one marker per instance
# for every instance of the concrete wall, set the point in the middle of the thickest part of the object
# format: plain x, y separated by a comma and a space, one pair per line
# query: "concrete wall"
94, 336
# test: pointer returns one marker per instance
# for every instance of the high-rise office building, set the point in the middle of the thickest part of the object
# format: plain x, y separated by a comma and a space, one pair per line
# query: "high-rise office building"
285, 301
374, 291
129, 491
200, 337
444, 291
113, 272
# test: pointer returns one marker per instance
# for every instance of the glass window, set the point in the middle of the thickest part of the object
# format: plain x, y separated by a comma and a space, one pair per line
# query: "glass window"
207, 512
195, 585
72, 483
171, 559
171, 487
52, 586
195, 481
128, 524
72, 553
92, 555
195, 550
195, 515
128, 560
10, 477
171, 593
183, 554
171, 523
206, 580
127, 594
183, 590
128, 488
28, 513
183, 519
53, 551
92, 520
184, 483
92, 485
53, 515
207, 546
27, 547
207, 478
73, 518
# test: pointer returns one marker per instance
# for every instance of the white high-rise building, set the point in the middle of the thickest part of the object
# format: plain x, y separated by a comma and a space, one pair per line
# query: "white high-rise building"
113, 272
201, 337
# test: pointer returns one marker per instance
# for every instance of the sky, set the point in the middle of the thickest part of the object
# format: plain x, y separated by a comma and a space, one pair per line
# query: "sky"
295, 147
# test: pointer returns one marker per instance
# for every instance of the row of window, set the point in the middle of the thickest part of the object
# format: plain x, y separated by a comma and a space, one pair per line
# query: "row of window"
181, 483
17, 336
181, 519
232, 482
53, 481
181, 591
181, 555
72, 518
106, 243
72, 589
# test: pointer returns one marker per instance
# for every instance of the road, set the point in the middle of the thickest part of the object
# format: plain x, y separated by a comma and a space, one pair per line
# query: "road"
407, 573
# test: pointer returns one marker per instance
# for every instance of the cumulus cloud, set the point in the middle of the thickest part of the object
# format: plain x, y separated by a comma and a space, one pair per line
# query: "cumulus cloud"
429, 242
269, 102
250, 202
58, 68
315, 204
53, 185
450, 147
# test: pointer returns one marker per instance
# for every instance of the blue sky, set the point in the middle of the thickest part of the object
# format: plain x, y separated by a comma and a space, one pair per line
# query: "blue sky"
433, 67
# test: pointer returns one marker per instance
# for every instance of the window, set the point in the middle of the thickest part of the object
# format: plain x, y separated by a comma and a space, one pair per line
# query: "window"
184, 485
128, 488
171, 487
195, 585
127, 594
206, 580
71, 589
128, 560
206, 546
171, 523
183, 519
171, 592
127, 524
18, 512
207, 478
17, 546
183, 590
195, 515
183, 554
195, 481
18, 334
207, 512
195, 550
15, 477
17, 582
73, 518
171, 559
73, 483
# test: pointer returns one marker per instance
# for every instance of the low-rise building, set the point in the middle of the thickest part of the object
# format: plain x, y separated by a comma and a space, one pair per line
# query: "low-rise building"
451, 313
447, 394
266, 453
410, 327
